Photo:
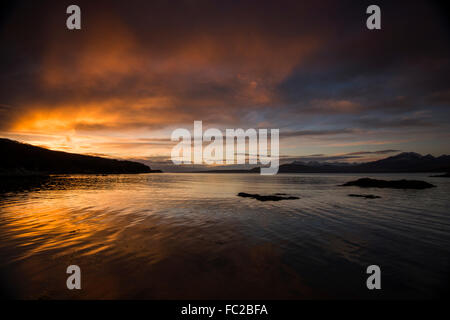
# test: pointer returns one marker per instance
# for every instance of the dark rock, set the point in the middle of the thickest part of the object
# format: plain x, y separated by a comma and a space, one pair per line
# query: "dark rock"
394, 184
445, 175
367, 196
265, 198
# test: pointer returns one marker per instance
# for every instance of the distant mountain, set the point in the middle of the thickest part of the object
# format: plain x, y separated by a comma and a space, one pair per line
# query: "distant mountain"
24, 159
403, 162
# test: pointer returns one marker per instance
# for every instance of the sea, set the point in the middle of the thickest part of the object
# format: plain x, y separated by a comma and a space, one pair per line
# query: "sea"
189, 236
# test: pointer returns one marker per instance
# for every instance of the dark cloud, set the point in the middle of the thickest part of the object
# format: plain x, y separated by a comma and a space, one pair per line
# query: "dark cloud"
373, 152
301, 133
358, 156
310, 68
395, 123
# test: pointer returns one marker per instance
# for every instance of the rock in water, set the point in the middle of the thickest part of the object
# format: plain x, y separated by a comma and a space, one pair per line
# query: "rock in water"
367, 196
395, 184
265, 198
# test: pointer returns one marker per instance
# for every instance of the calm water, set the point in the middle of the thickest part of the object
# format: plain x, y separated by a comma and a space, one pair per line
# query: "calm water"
168, 236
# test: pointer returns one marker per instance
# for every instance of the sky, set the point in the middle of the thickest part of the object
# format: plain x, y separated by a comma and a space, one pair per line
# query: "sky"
137, 70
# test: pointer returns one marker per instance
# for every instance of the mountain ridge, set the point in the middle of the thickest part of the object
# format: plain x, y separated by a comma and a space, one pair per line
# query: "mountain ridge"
402, 162
21, 159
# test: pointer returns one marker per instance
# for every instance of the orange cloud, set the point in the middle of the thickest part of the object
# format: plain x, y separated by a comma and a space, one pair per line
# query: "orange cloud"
113, 80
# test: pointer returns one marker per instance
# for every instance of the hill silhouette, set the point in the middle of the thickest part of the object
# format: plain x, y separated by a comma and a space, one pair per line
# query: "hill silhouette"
403, 162
20, 159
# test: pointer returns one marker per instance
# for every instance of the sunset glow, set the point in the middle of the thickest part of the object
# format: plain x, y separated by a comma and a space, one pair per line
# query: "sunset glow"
119, 86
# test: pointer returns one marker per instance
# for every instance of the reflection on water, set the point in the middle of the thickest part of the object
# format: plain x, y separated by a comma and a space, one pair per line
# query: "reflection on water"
189, 236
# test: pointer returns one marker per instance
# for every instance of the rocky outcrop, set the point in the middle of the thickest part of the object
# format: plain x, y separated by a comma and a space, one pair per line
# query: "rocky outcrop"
275, 197
395, 184
367, 196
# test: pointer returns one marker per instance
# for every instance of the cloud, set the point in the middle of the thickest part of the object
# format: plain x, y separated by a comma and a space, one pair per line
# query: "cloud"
373, 152
310, 69
395, 123
301, 133
358, 156
119, 67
